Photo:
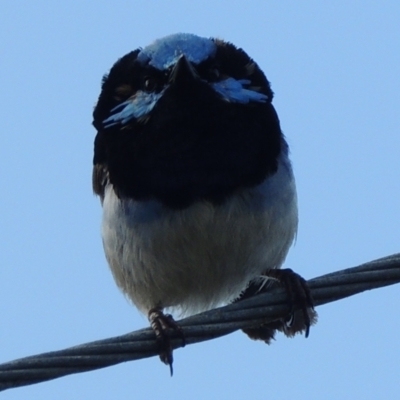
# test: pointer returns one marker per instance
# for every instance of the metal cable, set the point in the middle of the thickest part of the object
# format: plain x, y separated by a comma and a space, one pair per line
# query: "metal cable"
205, 326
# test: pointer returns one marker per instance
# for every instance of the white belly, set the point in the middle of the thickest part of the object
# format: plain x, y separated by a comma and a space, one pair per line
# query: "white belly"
203, 256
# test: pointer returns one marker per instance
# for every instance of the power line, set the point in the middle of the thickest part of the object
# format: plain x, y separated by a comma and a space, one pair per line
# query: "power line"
201, 327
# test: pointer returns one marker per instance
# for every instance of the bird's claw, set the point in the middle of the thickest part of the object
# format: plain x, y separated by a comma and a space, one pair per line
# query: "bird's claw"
162, 325
299, 297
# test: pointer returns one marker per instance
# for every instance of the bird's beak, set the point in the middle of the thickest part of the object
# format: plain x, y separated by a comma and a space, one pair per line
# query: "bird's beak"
183, 72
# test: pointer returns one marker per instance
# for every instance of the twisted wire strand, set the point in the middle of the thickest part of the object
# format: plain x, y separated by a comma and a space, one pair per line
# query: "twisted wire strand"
201, 327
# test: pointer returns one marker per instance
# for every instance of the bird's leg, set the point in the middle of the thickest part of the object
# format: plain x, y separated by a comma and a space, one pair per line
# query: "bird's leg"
162, 325
299, 297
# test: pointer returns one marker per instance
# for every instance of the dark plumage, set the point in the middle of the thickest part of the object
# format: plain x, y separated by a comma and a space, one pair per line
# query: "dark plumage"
192, 146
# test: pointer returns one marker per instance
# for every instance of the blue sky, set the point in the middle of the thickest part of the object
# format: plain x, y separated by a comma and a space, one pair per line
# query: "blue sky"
334, 68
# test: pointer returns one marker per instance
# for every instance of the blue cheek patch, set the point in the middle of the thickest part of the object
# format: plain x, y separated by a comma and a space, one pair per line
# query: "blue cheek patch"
232, 90
140, 104
166, 51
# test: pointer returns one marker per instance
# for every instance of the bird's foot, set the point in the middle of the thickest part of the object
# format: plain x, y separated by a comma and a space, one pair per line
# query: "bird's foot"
163, 325
299, 298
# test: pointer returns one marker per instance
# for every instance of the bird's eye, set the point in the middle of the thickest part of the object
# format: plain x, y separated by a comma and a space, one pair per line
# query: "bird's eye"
150, 84
214, 73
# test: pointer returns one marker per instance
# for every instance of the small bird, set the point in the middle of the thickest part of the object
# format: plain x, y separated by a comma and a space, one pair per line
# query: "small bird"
197, 189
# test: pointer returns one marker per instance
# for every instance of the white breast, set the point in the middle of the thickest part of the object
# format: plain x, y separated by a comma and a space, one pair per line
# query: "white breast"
203, 256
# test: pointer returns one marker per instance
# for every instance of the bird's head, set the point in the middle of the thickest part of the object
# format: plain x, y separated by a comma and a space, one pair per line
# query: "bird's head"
184, 119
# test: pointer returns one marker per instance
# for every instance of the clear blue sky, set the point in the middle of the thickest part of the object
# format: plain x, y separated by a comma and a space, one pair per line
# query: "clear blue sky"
335, 70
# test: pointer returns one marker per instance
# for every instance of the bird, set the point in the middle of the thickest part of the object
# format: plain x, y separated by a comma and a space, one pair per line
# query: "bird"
199, 203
